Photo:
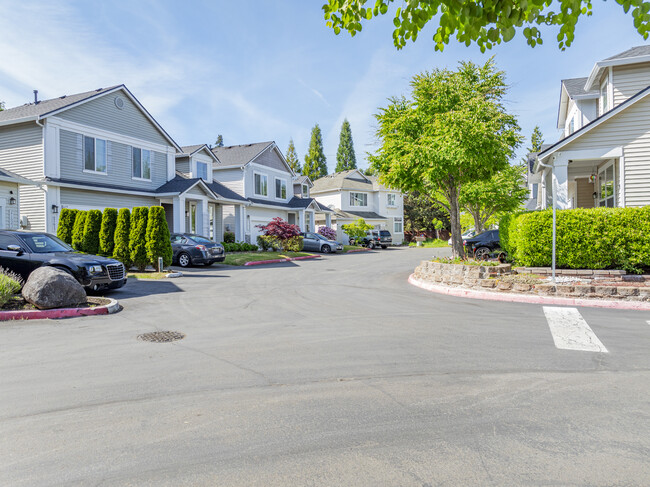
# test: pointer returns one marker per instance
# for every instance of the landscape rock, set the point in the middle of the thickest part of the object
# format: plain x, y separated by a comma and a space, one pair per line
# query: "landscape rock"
49, 287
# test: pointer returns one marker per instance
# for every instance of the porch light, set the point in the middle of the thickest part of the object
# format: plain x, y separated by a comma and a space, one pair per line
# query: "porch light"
55, 209
595, 195
12, 201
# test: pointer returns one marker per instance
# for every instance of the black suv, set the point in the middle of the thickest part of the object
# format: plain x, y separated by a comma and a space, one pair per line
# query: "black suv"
482, 245
22, 252
377, 238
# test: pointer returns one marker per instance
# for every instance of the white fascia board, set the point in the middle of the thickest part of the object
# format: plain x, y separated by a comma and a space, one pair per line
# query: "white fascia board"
103, 190
595, 71
18, 120
18, 180
205, 148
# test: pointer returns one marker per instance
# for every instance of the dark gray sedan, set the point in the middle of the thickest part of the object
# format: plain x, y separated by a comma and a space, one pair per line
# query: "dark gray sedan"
318, 243
190, 249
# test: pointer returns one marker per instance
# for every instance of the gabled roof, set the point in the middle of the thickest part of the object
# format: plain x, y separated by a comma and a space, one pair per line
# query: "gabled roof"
190, 150
632, 52
239, 155
11, 177
294, 203
181, 184
352, 179
303, 180
575, 88
353, 215
634, 55
47, 108
224, 192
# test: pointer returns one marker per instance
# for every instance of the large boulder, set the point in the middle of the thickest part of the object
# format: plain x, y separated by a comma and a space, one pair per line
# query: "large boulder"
49, 287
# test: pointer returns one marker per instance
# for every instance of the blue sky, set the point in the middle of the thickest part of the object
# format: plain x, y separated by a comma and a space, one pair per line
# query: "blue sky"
262, 70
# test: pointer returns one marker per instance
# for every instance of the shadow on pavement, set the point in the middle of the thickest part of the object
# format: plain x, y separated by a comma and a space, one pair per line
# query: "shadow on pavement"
145, 287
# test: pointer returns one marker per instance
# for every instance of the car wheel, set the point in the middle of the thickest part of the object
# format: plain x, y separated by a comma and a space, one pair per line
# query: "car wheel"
326, 249
384, 246
184, 260
371, 245
208, 264
482, 253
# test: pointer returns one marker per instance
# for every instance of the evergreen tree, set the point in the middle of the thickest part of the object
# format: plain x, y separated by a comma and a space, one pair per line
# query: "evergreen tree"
78, 231
536, 140
92, 228
121, 251
107, 233
219, 141
292, 158
158, 241
66, 225
346, 159
138, 237
315, 163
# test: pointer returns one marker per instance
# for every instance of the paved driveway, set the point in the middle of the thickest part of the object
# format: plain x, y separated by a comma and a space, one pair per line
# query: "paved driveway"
330, 372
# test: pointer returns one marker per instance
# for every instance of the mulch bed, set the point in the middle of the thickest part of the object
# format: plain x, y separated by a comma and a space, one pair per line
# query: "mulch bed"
18, 303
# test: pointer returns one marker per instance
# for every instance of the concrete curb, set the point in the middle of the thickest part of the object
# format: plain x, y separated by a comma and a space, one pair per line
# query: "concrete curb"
527, 298
277, 261
41, 314
356, 250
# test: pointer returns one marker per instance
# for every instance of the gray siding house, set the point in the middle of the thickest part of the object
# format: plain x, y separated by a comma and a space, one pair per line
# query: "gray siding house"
102, 149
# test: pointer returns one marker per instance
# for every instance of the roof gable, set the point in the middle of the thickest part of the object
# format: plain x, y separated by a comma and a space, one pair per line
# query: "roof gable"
190, 150
239, 155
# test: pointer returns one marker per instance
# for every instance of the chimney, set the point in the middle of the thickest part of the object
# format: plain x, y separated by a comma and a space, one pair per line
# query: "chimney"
35, 97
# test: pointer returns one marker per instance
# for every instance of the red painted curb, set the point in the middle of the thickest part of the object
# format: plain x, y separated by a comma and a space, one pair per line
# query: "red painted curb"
41, 314
357, 250
526, 298
277, 261
306, 257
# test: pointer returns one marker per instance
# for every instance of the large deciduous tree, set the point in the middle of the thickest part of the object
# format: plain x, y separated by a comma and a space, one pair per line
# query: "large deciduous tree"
315, 162
453, 130
422, 213
346, 159
292, 158
486, 23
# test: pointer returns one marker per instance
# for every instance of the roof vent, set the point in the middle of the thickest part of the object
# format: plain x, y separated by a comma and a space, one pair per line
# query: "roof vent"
35, 97
99, 89
119, 102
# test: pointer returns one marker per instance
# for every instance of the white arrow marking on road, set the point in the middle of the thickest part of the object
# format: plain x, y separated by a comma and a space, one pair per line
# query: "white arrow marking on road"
570, 330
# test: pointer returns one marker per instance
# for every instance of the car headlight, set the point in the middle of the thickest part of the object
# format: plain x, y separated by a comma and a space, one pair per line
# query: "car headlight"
219, 250
94, 269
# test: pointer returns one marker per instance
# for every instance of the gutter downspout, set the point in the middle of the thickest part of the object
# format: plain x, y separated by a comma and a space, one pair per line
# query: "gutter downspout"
553, 190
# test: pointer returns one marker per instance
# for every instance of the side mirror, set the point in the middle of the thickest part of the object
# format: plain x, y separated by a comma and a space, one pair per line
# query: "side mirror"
15, 248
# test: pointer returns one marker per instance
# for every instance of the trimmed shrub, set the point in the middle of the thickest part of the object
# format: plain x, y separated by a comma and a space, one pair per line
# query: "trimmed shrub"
121, 249
507, 227
138, 237
229, 237
10, 284
268, 242
293, 244
92, 226
327, 232
107, 232
596, 238
78, 230
66, 224
158, 239
239, 247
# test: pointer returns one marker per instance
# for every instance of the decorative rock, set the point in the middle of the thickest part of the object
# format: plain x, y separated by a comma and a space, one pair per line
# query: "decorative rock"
521, 287
49, 287
583, 289
488, 283
504, 286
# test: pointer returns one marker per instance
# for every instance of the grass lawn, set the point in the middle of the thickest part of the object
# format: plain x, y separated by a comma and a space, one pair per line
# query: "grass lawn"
431, 243
147, 275
240, 258
352, 247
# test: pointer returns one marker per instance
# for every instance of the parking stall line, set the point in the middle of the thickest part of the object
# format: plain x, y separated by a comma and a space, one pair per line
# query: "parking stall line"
570, 330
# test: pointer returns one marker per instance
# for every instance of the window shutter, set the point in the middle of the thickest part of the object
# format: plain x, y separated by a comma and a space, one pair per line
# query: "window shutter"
80, 152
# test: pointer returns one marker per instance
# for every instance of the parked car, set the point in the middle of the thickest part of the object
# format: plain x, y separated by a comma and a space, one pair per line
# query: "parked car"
22, 252
318, 243
191, 249
482, 245
468, 234
377, 238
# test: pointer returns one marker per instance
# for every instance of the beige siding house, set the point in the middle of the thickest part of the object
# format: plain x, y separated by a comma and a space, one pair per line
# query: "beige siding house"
603, 158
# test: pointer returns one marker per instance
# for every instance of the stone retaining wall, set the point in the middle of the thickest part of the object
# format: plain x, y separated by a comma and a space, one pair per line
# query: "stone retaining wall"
493, 278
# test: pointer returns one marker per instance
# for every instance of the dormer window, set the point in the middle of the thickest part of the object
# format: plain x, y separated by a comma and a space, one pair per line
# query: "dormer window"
604, 98
202, 170
305, 190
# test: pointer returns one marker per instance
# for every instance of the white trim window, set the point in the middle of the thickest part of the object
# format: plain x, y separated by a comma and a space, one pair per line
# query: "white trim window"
607, 186
261, 184
390, 199
305, 190
358, 199
94, 155
398, 225
604, 97
202, 170
281, 188
141, 163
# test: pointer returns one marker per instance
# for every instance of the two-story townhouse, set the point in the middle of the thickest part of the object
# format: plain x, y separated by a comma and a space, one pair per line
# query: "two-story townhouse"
353, 195
603, 157
260, 173
95, 150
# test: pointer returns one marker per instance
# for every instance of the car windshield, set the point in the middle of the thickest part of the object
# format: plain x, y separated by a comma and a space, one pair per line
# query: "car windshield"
385, 233
319, 236
200, 239
45, 244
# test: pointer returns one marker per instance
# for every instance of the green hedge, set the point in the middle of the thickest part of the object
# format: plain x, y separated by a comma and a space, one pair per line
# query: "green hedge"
66, 224
107, 232
121, 250
78, 230
158, 239
92, 228
138, 237
596, 238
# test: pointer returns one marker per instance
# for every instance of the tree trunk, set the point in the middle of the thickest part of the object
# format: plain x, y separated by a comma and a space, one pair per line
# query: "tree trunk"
478, 223
454, 218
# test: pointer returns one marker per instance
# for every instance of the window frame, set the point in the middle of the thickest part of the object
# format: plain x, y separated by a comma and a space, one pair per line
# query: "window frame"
141, 177
200, 163
602, 202
400, 220
83, 157
604, 96
283, 184
305, 189
365, 199
266, 184
388, 198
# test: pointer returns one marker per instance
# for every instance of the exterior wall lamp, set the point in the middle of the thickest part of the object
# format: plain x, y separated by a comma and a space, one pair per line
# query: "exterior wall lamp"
55, 209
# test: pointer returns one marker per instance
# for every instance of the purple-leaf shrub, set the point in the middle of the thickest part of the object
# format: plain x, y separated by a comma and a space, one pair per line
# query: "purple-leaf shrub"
327, 232
280, 229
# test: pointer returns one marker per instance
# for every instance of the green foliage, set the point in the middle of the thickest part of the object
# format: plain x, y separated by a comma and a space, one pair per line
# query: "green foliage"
219, 141
66, 224
138, 237
78, 230
508, 232
10, 284
292, 158
315, 162
229, 237
423, 214
158, 241
239, 247
121, 249
268, 242
485, 24
107, 232
346, 159
595, 238
292, 244
357, 229
92, 227
430, 243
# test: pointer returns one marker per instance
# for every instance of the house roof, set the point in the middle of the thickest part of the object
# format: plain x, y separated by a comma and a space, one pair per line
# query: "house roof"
190, 150
575, 88
239, 155
294, 203
353, 215
303, 180
634, 55
11, 177
181, 184
632, 52
224, 192
352, 179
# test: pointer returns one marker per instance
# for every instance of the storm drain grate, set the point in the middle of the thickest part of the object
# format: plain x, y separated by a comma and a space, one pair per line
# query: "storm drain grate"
161, 336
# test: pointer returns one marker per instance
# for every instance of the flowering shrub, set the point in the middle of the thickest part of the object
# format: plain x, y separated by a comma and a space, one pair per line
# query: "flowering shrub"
278, 233
327, 232
10, 284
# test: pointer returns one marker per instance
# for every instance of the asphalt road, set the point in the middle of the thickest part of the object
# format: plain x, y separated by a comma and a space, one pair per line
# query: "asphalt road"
331, 372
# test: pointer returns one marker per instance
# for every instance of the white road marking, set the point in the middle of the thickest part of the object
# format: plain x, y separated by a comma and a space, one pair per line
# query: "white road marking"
648, 322
570, 330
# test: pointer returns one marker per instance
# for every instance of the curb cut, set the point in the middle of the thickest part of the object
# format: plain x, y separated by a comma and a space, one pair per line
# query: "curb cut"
41, 314
524, 298
277, 261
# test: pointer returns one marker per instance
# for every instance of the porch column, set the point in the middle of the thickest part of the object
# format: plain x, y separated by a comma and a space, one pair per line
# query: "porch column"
238, 223
328, 220
561, 183
178, 209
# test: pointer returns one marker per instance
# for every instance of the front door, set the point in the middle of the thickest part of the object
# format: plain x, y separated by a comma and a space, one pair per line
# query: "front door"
191, 224
308, 227
291, 218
